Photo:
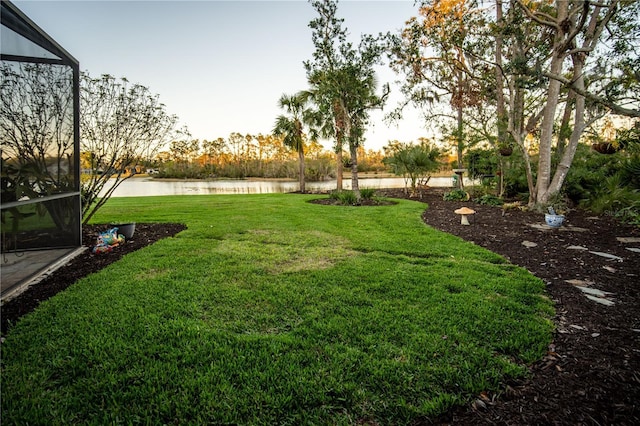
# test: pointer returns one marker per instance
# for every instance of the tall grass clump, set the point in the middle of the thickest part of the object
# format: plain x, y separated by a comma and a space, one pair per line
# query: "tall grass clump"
344, 197
268, 309
367, 193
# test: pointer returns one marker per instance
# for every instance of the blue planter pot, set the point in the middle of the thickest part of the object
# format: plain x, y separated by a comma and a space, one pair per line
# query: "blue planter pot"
554, 220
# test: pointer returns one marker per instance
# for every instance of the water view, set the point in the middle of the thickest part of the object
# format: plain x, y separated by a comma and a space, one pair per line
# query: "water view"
140, 187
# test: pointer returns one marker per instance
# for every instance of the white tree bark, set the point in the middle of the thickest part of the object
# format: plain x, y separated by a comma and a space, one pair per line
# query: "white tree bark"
553, 97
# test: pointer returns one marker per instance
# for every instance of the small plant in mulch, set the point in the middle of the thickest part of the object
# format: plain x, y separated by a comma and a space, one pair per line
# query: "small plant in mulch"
456, 195
489, 200
367, 193
348, 198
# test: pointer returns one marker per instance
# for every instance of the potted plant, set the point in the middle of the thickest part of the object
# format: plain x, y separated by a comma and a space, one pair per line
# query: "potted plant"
556, 210
505, 144
505, 149
606, 147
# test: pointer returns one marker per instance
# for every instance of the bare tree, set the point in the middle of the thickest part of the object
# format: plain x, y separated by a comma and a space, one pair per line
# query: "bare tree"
122, 125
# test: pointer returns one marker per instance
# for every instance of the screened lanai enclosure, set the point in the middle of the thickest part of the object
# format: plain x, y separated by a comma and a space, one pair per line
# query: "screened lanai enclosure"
39, 131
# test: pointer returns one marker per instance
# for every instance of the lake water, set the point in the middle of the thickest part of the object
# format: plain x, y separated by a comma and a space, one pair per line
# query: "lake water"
140, 187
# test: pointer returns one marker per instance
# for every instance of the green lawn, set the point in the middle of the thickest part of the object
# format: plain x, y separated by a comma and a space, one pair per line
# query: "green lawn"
271, 310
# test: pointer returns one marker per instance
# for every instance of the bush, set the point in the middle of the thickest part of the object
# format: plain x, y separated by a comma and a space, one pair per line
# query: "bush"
613, 197
515, 177
347, 198
456, 195
631, 171
588, 172
606, 184
489, 200
481, 162
630, 215
367, 193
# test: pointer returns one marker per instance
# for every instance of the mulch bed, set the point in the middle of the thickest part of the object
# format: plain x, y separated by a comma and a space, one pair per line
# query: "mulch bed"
591, 373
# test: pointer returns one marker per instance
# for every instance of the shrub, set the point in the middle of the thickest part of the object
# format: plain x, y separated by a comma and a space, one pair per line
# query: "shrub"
481, 162
588, 172
515, 177
412, 162
347, 198
367, 193
606, 184
613, 197
456, 195
489, 200
630, 215
477, 191
631, 171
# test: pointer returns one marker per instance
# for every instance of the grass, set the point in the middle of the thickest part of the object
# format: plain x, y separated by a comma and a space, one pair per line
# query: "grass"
272, 310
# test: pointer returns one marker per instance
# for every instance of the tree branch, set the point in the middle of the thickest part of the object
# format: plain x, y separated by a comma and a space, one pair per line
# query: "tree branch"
549, 22
597, 99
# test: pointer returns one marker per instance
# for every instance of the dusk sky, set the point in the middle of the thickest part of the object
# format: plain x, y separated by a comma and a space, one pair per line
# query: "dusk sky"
220, 66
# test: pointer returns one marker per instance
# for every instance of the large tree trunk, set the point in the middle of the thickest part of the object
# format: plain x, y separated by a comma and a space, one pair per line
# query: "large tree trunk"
301, 171
341, 124
565, 131
460, 140
339, 169
519, 137
578, 127
500, 106
546, 129
527, 169
354, 171
515, 123
595, 24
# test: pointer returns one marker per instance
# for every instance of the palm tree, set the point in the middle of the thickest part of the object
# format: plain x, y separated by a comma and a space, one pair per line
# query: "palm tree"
291, 126
330, 117
413, 162
344, 97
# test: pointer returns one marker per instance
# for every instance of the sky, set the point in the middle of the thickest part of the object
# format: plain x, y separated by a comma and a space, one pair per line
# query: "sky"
220, 66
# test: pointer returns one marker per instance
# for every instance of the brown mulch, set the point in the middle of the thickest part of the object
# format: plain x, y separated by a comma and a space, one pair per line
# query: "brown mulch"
591, 374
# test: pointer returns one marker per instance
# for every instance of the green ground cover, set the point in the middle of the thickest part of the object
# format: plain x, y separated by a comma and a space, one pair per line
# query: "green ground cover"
272, 310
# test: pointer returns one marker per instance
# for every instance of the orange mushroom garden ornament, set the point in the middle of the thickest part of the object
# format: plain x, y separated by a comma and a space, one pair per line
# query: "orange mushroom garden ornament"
464, 213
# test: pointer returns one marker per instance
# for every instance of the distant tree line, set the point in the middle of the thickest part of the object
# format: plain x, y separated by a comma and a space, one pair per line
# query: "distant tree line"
245, 155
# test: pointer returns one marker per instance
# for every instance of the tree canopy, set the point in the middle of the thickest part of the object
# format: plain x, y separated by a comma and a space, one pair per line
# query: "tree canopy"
343, 80
547, 69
